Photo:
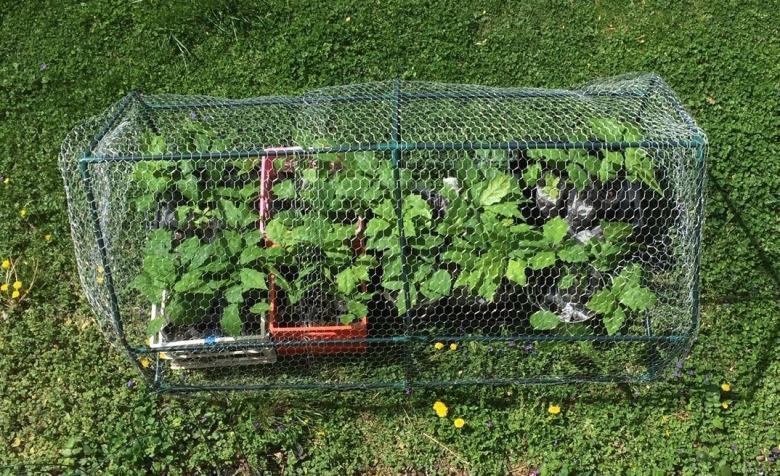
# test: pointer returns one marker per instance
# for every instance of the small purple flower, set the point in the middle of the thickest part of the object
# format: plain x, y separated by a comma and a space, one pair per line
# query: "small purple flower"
256, 424
775, 451
679, 364
535, 472
280, 427
489, 424
43, 66
193, 115
529, 348
510, 343
408, 391
131, 384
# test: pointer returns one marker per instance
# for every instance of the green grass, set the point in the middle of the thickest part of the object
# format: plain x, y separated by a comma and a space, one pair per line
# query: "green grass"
64, 402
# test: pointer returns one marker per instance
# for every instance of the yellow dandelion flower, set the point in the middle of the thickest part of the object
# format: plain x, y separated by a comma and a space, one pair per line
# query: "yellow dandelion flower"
6, 264
453, 346
459, 422
16, 295
724, 405
100, 279
101, 270
146, 362
440, 408
4, 287
47, 238
7, 181
23, 213
438, 346
726, 387
554, 409
17, 285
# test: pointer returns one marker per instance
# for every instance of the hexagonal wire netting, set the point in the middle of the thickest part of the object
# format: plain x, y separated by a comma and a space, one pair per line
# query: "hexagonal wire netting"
392, 234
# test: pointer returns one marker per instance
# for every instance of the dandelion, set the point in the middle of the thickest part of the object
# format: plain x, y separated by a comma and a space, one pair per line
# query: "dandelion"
7, 181
47, 238
101, 270
440, 408
453, 346
100, 279
554, 409
6, 264
145, 362
4, 287
726, 387
724, 405
23, 213
17, 285
438, 346
459, 423
16, 295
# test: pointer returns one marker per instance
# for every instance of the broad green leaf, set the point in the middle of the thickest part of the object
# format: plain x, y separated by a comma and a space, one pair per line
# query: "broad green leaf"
531, 174
555, 229
544, 320
567, 281
349, 278
161, 268
640, 167
149, 288
637, 298
284, 190
578, 176
260, 308
438, 285
498, 187
234, 294
375, 226
154, 326
145, 202
606, 171
416, 206
231, 322
606, 128
616, 231
614, 320
357, 308
234, 241
550, 187
251, 253
188, 186
252, 279
506, 209
515, 271
573, 254
602, 302
189, 281
159, 242
542, 260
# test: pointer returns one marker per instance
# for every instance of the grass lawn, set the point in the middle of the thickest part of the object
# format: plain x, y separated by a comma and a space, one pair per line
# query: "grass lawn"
68, 403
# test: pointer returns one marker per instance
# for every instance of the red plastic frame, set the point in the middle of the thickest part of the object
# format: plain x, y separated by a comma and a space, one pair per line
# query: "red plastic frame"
317, 335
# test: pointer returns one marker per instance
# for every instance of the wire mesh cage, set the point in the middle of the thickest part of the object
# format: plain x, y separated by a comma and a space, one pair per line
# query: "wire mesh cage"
392, 234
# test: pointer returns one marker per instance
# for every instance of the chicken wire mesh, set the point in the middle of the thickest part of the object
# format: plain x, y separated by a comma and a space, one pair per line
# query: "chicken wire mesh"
392, 234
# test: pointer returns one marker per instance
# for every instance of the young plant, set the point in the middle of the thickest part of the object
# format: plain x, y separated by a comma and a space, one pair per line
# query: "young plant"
625, 297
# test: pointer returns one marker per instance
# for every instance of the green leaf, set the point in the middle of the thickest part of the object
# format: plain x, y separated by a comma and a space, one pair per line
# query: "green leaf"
606, 128
148, 287
542, 260
188, 186
234, 294
234, 241
567, 281
349, 278
284, 190
578, 176
637, 298
515, 271
555, 229
544, 320
499, 187
602, 302
252, 279
231, 322
439, 284
416, 206
154, 326
189, 281
573, 254
616, 231
375, 226
531, 174
640, 167
161, 268
260, 308
251, 254
506, 209
357, 308
614, 320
